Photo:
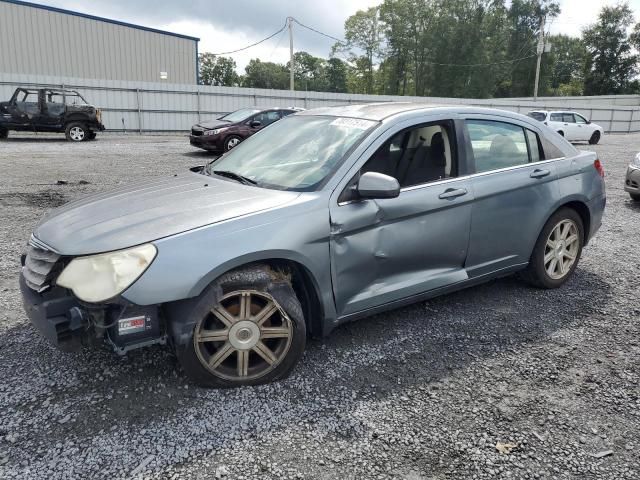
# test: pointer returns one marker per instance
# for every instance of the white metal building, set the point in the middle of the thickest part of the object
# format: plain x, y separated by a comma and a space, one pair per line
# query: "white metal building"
42, 40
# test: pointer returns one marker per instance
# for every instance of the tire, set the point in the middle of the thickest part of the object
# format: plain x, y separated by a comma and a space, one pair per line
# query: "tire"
542, 274
561, 133
231, 141
245, 349
76, 132
595, 138
3, 134
635, 197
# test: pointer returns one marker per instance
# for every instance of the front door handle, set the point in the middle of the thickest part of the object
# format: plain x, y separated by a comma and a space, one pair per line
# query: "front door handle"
538, 173
452, 193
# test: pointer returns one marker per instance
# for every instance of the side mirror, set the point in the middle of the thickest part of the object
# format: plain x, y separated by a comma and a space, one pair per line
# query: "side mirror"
377, 185
255, 124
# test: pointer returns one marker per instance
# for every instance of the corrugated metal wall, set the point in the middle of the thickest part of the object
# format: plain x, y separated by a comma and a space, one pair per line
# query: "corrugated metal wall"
160, 107
43, 42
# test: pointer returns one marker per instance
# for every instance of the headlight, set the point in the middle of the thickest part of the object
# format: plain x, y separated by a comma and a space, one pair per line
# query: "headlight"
215, 131
636, 161
97, 278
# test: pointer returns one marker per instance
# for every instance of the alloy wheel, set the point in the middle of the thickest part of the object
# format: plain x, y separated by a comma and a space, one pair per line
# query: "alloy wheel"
233, 142
244, 337
76, 134
561, 249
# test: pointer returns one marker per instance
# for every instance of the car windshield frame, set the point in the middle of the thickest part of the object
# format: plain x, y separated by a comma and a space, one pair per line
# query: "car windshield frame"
233, 158
250, 113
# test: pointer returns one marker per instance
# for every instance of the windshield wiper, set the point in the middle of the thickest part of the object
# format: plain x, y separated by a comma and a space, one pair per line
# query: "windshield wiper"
235, 176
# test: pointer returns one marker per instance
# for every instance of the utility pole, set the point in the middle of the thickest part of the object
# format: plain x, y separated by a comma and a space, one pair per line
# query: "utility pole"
291, 86
539, 51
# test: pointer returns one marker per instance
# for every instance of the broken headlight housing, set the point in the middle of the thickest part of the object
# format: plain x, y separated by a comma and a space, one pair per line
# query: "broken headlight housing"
96, 278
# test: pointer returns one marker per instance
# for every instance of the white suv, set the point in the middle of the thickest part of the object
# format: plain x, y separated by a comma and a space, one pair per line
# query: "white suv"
572, 126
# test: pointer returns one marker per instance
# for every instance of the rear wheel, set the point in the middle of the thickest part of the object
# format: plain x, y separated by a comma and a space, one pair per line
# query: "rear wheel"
595, 138
76, 132
3, 133
251, 331
557, 250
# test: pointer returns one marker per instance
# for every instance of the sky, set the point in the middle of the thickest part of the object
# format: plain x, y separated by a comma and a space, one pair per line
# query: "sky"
224, 25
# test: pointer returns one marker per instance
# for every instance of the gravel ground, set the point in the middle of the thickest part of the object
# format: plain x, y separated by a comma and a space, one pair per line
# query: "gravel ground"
424, 392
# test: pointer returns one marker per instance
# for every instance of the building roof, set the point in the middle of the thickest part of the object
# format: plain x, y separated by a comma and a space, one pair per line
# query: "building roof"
99, 19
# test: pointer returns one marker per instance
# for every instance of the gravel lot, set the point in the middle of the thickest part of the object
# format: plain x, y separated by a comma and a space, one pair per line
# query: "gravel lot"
424, 392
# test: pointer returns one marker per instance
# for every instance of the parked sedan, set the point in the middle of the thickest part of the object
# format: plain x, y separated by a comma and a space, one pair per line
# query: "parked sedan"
632, 181
325, 217
572, 126
224, 133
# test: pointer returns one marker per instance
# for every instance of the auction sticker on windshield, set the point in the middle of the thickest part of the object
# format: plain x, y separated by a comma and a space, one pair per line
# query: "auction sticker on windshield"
353, 123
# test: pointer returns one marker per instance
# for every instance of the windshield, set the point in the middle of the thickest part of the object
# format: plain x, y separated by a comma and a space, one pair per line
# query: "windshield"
296, 153
239, 115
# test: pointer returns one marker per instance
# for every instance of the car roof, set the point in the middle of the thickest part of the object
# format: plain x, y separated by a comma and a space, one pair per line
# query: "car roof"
381, 111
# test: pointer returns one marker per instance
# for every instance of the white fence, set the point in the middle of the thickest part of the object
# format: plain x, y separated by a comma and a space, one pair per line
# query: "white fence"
160, 107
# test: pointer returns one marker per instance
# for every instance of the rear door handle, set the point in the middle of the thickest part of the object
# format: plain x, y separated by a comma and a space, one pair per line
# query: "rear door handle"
538, 173
452, 193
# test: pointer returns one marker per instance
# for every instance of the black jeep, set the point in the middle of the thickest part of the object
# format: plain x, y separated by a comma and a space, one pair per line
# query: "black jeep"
50, 110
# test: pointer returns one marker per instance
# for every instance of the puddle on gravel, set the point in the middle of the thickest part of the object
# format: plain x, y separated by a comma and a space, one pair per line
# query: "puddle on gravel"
43, 199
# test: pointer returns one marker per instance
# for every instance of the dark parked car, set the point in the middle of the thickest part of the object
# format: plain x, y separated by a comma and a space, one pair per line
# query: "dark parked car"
224, 133
50, 110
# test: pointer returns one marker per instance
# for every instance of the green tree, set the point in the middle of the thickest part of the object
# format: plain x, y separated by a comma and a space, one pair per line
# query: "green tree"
362, 34
310, 72
524, 21
566, 64
611, 65
336, 73
265, 75
217, 70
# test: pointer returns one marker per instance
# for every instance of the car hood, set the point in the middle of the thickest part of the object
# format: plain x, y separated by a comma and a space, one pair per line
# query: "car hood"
209, 124
150, 210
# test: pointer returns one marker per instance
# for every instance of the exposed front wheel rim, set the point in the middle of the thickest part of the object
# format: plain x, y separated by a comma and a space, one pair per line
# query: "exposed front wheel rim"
76, 133
244, 337
561, 249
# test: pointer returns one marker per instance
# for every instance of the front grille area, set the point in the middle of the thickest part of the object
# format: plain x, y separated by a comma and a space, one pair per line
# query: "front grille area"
196, 132
40, 268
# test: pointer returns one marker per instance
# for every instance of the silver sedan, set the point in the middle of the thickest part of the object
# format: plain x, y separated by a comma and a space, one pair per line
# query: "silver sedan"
322, 218
632, 181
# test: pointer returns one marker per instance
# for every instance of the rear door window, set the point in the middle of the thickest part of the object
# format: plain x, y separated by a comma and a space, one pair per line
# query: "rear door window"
267, 118
497, 145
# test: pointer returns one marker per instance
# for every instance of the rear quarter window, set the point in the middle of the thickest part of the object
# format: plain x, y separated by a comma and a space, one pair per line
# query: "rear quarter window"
537, 116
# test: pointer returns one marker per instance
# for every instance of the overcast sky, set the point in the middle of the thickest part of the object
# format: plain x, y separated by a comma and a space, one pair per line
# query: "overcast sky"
225, 25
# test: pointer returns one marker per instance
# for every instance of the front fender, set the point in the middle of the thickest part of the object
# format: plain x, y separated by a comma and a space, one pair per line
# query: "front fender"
188, 262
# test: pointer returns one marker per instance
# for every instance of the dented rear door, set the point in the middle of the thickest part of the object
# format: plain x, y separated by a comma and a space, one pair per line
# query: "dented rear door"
389, 249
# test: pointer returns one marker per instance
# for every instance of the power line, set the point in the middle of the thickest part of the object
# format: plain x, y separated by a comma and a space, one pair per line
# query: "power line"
277, 45
254, 44
319, 32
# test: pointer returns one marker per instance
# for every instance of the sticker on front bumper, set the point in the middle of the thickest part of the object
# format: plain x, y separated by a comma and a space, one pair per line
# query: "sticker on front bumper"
132, 325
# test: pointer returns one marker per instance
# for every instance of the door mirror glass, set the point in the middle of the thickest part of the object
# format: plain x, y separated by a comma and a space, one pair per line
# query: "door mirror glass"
377, 185
255, 124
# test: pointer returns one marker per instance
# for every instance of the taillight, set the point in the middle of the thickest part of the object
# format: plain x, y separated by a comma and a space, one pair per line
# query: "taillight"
598, 166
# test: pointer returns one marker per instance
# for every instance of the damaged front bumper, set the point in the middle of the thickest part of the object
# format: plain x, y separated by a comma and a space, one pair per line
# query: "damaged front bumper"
69, 324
